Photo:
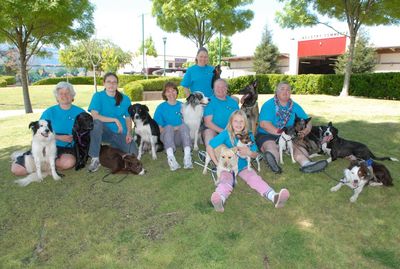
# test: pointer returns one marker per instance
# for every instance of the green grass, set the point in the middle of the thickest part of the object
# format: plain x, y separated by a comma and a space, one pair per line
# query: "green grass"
164, 219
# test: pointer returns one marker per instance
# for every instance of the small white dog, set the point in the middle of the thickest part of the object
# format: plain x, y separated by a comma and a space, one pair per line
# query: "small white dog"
41, 161
192, 113
356, 177
227, 161
286, 142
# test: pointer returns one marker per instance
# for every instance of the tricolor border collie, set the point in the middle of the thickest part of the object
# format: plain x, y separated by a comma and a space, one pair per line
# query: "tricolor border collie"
147, 131
41, 161
249, 103
362, 173
192, 112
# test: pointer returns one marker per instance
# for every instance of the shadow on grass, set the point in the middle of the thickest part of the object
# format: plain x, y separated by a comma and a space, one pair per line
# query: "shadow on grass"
385, 257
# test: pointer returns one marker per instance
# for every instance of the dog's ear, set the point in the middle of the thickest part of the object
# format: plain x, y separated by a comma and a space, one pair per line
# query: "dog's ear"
296, 118
308, 119
255, 84
145, 108
284, 129
34, 125
330, 124
130, 110
190, 98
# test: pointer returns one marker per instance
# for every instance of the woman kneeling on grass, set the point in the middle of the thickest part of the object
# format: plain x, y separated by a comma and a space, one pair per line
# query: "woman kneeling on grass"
238, 124
173, 131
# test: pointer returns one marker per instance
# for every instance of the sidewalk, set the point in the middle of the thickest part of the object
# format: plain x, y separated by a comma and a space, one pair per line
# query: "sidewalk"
10, 113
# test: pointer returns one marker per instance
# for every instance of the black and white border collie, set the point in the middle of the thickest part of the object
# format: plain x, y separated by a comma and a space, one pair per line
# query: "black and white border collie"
41, 161
337, 147
147, 132
192, 112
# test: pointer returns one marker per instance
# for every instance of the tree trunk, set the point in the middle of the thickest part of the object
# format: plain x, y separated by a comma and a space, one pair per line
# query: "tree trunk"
24, 81
94, 77
349, 64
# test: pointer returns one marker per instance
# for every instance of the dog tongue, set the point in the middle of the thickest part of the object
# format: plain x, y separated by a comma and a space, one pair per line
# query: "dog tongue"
327, 138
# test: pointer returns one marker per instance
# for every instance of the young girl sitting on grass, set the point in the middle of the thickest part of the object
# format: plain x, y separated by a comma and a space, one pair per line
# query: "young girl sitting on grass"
236, 125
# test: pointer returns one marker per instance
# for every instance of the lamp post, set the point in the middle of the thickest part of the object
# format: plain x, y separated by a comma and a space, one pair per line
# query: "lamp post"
165, 41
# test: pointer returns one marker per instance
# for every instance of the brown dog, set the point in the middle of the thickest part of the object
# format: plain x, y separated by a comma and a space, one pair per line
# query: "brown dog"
120, 162
250, 105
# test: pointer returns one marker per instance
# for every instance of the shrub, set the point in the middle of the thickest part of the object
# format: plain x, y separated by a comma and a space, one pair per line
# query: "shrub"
72, 80
135, 92
3, 82
125, 79
10, 80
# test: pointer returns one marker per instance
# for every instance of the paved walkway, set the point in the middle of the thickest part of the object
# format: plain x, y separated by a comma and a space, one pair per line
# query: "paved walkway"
9, 113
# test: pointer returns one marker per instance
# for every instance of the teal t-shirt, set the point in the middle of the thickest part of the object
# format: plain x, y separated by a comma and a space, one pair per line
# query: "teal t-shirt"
105, 105
268, 113
62, 121
167, 114
220, 110
198, 78
223, 138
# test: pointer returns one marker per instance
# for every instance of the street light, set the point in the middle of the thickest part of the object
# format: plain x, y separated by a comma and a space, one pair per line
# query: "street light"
165, 41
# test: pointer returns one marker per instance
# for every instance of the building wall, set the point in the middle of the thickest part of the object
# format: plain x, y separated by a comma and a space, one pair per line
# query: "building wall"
388, 62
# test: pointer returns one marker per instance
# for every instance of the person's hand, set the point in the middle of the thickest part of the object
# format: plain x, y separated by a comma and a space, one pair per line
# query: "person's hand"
128, 138
119, 125
65, 138
244, 151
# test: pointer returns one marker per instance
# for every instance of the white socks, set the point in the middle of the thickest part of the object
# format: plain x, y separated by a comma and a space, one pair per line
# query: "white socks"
170, 152
186, 151
270, 195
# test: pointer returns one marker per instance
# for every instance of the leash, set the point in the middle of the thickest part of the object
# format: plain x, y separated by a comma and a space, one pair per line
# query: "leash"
111, 181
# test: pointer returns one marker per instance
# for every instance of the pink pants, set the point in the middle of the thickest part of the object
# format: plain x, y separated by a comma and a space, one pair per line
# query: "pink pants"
255, 182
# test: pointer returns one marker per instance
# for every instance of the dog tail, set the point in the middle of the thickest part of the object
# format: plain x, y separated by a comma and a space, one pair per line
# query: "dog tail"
28, 179
383, 158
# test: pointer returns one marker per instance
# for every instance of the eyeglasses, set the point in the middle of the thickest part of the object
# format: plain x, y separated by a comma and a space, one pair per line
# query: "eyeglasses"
112, 82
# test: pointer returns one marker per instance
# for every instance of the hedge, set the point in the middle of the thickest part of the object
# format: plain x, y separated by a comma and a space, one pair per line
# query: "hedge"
135, 89
123, 80
374, 85
10, 80
3, 82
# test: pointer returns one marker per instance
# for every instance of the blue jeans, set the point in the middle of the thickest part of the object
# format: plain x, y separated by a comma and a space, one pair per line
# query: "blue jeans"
101, 133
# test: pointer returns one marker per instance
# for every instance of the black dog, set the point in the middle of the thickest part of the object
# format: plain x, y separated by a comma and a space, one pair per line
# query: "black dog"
81, 134
312, 141
216, 75
250, 105
147, 131
338, 147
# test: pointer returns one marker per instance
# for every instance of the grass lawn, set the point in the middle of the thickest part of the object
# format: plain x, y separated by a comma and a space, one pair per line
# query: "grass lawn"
164, 219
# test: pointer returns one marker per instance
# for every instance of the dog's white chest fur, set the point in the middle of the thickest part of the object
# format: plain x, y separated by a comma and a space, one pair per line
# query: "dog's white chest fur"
285, 144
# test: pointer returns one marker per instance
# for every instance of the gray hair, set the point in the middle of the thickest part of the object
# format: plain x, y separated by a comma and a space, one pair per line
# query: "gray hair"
64, 85
281, 84
223, 80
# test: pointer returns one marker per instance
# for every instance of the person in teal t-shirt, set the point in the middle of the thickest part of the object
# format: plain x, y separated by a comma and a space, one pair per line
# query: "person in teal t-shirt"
174, 131
218, 111
276, 113
62, 117
111, 121
199, 76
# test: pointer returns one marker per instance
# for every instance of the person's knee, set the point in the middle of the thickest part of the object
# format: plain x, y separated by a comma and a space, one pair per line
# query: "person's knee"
66, 162
97, 126
18, 170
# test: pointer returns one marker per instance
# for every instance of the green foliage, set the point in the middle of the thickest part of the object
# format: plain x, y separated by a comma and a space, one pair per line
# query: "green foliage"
364, 58
10, 80
213, 50
3, 82
135, 89
30, 24
266, 55
375, 85
149, 47
104, 54
200, 20
72, 80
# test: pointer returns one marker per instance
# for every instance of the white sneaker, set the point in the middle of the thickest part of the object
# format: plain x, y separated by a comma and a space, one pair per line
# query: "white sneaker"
173, 164
94, 165
187, 162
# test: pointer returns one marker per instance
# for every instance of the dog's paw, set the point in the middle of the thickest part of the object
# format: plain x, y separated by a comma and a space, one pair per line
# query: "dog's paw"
333, 189
21, 182
56, 177
154, 157
293, 161
353, 199
196, 148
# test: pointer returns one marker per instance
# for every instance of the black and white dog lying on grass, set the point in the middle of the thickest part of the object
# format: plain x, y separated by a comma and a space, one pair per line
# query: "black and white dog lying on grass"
147, 132
192, 113
337, 147
362, 173
41, 161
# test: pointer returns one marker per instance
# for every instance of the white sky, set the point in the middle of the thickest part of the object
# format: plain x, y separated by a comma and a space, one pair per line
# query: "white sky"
120, 21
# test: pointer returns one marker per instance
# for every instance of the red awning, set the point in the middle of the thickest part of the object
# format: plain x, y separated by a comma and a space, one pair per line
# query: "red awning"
322, 47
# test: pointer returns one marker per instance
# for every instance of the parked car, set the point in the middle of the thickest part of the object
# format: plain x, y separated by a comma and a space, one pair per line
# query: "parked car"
170, 72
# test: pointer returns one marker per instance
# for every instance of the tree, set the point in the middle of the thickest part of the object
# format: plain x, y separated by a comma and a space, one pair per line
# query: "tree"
213, 50
364, 59
354, 12
10, 58
30, 24
266, 55
149, 47
199, 20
